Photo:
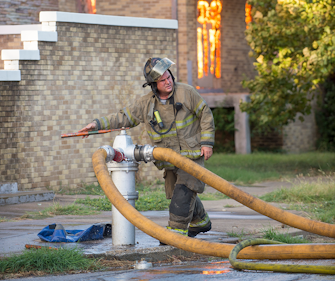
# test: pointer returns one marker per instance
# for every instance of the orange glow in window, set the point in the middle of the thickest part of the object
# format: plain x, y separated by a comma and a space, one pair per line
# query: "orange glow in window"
93, 9
200, 54
248, 17
209, 14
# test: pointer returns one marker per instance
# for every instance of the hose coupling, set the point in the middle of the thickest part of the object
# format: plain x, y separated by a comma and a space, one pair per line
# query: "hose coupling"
110, 152
144, 153
113, 154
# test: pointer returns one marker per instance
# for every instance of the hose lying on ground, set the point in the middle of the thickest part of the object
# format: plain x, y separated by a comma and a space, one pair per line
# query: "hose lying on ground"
319, 269
298, 251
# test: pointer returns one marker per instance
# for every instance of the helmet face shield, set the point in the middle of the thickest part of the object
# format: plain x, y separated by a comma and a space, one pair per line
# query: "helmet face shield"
159, 69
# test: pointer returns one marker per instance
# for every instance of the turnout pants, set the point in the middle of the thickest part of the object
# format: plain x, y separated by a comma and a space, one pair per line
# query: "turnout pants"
185, 207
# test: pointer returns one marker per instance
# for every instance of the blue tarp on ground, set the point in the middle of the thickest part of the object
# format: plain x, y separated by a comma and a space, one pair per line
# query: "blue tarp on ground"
51, 233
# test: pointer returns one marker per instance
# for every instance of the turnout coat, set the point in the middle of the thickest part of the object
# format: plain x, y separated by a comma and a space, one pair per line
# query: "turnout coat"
192, 125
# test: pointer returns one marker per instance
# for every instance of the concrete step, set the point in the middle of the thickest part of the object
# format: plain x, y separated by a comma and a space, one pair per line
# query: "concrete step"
10, 75
8, 187
26, 197
30, 36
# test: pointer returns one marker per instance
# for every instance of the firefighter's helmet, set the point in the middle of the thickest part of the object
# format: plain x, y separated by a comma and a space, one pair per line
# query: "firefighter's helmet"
155, 68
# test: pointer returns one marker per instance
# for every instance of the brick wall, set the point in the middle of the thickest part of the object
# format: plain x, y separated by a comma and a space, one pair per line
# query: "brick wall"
91, 71
24, 11
235, 60
187, 13
27, 11
69, 6
271, 141
9, 41
129, 8
187, 39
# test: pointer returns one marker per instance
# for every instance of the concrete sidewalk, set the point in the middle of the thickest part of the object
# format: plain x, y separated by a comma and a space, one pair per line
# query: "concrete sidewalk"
228, 216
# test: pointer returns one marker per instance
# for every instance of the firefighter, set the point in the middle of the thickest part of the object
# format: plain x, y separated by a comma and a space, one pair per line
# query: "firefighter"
176, 117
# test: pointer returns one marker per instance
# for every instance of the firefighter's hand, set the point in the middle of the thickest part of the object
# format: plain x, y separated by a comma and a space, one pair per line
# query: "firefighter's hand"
207, 151
89, 127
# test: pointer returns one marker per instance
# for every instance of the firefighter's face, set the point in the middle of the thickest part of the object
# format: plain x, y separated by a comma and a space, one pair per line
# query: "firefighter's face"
165, 84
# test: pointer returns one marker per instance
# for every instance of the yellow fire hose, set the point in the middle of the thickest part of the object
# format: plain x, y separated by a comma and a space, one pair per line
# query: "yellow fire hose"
296, 251
319, 269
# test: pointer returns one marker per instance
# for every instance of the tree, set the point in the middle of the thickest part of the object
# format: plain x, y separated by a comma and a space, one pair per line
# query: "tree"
293, 42
325, 117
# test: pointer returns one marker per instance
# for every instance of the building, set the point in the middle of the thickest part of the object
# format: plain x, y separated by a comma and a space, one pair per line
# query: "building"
89, 65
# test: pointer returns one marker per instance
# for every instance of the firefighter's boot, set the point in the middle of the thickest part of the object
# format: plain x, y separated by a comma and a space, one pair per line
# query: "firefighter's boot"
202, 226
176, 230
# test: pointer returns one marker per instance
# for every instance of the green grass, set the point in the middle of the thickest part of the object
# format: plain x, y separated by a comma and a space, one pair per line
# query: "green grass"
58, 210
83, 188
229, 206
212, 196
99, 204
272, 234
316, 198
47, 260
237, 234
257, 167
149, 199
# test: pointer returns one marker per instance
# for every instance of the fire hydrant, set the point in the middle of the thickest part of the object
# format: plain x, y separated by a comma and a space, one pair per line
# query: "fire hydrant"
123, 176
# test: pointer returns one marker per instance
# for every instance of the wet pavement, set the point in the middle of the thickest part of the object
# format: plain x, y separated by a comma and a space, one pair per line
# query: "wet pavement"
227, 215
15, 235
188, 272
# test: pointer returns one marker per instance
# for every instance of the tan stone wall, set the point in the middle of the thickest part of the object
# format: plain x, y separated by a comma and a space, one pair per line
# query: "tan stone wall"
24, 11
91, 71
9, 41
142, 9
300, 136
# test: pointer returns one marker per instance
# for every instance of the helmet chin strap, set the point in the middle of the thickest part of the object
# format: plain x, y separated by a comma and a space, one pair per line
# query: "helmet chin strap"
171, 76
154, 88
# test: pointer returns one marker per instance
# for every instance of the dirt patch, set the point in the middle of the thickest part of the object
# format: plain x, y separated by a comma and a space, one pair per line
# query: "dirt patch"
314, 238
